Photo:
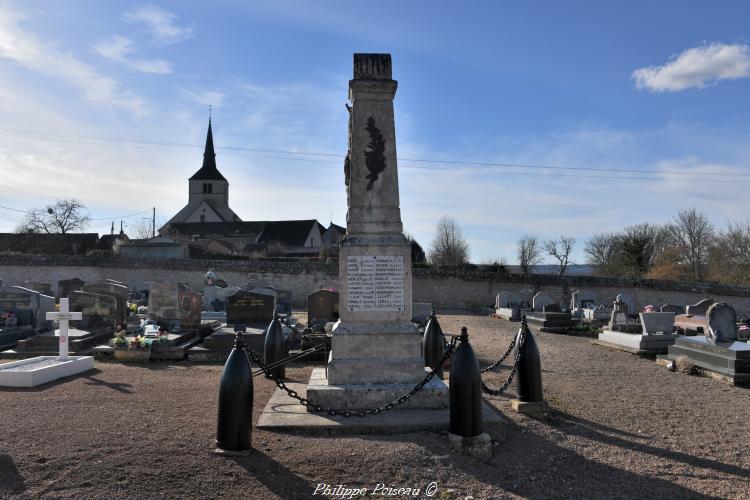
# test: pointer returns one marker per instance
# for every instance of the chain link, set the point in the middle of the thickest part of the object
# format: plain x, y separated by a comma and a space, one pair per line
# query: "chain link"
497, 363
497, 392
351, 413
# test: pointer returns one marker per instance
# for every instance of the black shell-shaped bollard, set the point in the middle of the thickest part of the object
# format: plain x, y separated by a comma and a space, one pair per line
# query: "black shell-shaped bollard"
465, 391
529, 376
433, 344
274, 347
234, 422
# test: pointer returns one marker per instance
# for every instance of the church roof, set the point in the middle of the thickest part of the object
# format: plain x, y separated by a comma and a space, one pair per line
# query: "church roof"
208, 172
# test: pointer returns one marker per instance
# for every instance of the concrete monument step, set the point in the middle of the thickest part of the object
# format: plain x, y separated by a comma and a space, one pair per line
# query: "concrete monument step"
284, 414
357, 396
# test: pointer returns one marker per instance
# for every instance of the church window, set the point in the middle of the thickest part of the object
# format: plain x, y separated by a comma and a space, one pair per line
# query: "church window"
210, 188
205, 188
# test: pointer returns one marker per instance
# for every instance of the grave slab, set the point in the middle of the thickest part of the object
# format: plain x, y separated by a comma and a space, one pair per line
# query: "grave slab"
730, 360
32, 372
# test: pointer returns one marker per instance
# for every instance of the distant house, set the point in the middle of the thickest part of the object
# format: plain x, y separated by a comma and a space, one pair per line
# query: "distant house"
159, 247
112, 242
48, 244
332, 237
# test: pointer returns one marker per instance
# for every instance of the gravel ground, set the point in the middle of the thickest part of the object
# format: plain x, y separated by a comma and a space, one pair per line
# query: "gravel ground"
619, 427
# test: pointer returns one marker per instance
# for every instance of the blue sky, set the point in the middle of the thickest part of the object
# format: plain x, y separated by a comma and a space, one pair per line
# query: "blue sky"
107, 102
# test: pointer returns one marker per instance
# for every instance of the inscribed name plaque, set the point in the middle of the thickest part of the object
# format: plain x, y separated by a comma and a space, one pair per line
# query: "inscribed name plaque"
375, 283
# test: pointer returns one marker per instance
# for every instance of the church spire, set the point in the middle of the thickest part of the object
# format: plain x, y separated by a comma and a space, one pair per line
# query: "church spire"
208, 172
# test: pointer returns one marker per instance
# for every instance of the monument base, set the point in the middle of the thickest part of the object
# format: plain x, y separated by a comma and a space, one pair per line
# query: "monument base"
364, 396
285, 414
637, 343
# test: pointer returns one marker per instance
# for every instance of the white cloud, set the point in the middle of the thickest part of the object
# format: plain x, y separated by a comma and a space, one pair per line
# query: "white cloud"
27, 50
696, 67
213, 98
118, 48
160, 23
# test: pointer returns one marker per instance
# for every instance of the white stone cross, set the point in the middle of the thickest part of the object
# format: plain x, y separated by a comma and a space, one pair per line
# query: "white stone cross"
63, 317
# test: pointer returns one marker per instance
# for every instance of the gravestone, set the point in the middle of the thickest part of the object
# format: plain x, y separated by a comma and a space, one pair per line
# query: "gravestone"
540, 301
115, 289
64, 287
250, 308
29, 306
283, 300
174, 306
672, 308
509, 300
657, 322
98, 317
582, 299
552, 308
283, 297
37, 286
626, 299
722, 323
98, 310
375, 349
717, 352
700, 308
323, 306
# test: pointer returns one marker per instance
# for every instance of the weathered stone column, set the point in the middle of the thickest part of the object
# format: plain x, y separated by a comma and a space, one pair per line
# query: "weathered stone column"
374, 341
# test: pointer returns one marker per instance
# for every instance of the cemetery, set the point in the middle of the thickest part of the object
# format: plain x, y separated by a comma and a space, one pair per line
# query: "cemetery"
184, 384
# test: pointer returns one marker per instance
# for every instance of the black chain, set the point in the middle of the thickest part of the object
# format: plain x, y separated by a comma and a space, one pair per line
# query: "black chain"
497, 392
496, 363
351, 413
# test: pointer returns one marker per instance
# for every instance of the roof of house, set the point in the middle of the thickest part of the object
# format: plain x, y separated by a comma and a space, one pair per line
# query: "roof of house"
48, 244
208, 172
337, 228
217, 229
289, 232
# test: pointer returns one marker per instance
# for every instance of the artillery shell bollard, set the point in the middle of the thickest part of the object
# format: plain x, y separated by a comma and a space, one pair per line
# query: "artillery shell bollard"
274, 347
465, 392
433, 344
234, 422
530, 399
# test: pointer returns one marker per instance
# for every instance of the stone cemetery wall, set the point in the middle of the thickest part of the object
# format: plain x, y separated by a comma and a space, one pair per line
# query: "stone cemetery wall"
441, 288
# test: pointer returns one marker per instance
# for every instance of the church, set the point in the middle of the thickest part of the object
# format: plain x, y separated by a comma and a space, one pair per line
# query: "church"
208, 228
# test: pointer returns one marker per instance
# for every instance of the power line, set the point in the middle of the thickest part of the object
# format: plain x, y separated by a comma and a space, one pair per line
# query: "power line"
114, 217
180, 147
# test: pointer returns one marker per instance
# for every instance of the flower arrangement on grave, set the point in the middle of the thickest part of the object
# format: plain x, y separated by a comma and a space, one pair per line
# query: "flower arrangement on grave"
120, 340
139, 343
649, 309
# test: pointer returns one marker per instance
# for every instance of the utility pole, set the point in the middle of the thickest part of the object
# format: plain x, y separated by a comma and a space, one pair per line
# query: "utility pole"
153, 224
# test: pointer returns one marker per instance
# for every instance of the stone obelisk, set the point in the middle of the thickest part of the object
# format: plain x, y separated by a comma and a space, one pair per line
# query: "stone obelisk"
375, 349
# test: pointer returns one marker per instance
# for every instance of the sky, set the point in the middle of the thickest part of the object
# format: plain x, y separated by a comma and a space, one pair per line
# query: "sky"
547, 118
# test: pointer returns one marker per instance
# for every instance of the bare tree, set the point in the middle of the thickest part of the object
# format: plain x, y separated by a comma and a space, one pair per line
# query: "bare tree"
560, 250
63, 216
638, 247
692, 234
529, 252
729, 260
449, 248
600, 249
141, 229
